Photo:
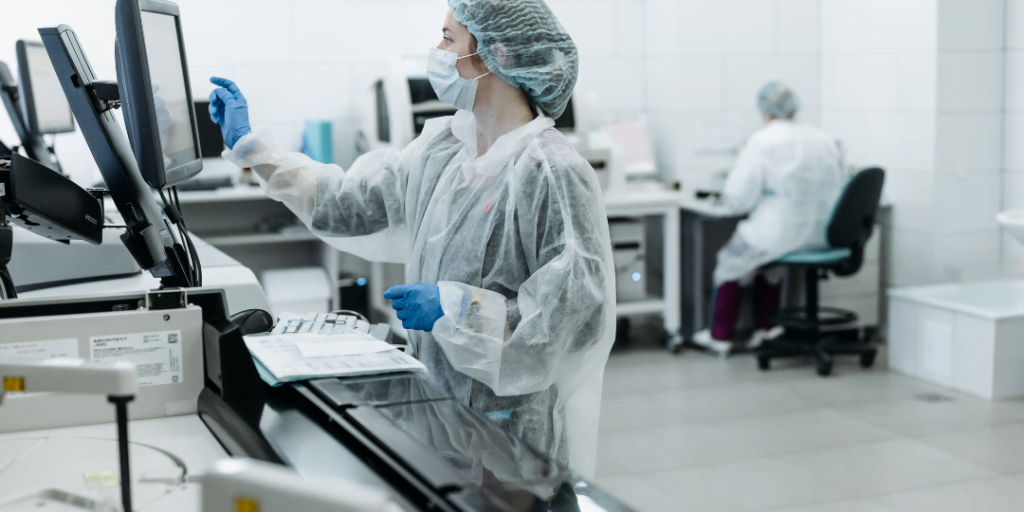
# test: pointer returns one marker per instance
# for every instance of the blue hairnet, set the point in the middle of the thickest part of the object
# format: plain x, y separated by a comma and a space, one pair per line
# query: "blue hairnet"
777, 100
523, 43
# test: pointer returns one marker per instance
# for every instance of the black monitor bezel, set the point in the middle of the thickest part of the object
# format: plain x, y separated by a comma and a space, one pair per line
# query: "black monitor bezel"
134, 82
28, 95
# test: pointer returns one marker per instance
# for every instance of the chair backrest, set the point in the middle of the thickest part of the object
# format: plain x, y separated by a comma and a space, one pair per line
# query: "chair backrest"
854, 216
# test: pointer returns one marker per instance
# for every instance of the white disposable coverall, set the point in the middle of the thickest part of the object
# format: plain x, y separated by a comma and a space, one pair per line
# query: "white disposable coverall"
788, 177
517, 241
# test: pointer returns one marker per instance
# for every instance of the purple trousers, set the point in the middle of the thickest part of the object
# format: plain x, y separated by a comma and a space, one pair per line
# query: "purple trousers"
727, 300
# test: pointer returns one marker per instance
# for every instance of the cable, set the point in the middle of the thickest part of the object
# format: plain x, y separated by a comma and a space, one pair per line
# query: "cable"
196, 264
350, 313
190, 273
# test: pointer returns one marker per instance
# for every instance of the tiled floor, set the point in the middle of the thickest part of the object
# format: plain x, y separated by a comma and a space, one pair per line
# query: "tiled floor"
695, 433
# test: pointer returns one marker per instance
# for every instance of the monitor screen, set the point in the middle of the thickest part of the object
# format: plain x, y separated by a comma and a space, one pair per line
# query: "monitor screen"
46, 100
170, 98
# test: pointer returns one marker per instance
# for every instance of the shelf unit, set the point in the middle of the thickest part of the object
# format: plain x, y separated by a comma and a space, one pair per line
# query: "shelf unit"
239, 221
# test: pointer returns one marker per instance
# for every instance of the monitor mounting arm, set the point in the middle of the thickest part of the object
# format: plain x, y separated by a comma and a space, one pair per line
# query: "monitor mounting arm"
27, 192
106, 94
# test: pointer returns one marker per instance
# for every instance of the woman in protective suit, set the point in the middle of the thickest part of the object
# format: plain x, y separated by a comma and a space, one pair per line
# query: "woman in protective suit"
499, 221
788, 178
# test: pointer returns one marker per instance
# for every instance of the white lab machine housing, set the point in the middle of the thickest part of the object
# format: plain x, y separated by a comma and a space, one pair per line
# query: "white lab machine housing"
629, 252
399, 102
233, 485
966, 336
166, 346
297, 290
38, 263
397, 105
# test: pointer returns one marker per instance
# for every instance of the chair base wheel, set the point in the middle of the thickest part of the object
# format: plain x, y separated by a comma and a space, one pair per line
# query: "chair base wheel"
868, 360
764, 363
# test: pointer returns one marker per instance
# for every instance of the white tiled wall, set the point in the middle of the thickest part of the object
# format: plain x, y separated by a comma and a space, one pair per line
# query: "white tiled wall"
300, 59
917, 87
932, 90
1013, 142
706, 61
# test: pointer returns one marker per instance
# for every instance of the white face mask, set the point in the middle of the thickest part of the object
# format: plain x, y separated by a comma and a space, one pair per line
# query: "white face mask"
449, 86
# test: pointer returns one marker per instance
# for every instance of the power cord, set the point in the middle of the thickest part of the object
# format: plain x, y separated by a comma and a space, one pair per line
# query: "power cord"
194, 271
196, 264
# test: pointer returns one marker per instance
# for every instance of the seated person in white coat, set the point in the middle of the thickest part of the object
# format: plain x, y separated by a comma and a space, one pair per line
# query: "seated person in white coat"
788, 178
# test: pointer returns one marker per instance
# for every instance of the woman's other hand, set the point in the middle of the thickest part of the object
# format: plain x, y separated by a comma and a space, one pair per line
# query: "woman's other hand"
418, 305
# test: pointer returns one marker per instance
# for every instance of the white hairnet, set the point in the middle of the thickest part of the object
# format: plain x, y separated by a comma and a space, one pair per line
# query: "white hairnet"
523, 43
778, 100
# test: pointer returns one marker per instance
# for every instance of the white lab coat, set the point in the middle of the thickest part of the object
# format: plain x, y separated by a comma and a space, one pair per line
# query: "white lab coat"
517, 241
788, 178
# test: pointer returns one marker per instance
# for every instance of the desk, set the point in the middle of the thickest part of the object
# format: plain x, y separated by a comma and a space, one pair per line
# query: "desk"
665, 204
706, 225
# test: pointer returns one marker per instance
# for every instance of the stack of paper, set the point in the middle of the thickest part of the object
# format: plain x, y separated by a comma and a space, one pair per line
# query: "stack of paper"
294, 356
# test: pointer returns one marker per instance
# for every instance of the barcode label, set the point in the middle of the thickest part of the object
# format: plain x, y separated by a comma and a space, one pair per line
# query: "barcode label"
157, 355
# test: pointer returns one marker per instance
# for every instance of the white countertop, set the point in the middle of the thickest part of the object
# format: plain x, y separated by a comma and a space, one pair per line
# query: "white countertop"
34, 461
649, 195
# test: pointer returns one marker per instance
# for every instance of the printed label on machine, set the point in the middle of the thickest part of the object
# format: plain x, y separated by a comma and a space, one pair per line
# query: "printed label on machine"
39, 350
157, 355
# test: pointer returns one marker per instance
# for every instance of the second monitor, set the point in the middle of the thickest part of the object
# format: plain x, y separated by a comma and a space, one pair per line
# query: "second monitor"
153, 74
43, 104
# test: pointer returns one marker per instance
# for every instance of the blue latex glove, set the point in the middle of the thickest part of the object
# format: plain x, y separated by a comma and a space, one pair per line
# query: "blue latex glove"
229, 109
418, 305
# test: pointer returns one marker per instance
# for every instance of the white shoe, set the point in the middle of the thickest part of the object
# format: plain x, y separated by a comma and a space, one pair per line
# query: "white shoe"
704, 339
762, 335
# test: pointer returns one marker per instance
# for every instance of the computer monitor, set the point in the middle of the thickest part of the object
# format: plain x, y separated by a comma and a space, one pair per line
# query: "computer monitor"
155, 91
211, 140
32, 142
43, 104
149, 228
567, 122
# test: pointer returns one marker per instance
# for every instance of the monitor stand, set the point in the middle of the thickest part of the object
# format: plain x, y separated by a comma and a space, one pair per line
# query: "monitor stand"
6, 244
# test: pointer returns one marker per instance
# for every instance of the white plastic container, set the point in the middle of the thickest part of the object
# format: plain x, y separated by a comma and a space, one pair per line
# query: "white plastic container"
969, 337
299, 290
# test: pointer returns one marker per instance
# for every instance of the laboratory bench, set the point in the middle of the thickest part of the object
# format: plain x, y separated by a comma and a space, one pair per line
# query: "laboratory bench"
396, 432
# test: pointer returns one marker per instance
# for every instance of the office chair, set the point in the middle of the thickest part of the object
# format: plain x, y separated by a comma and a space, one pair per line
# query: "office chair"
806, 328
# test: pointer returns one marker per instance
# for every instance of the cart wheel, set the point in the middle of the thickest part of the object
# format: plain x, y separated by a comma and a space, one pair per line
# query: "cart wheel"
764, 363
675, 344
868, 360
825, 366
622, 331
